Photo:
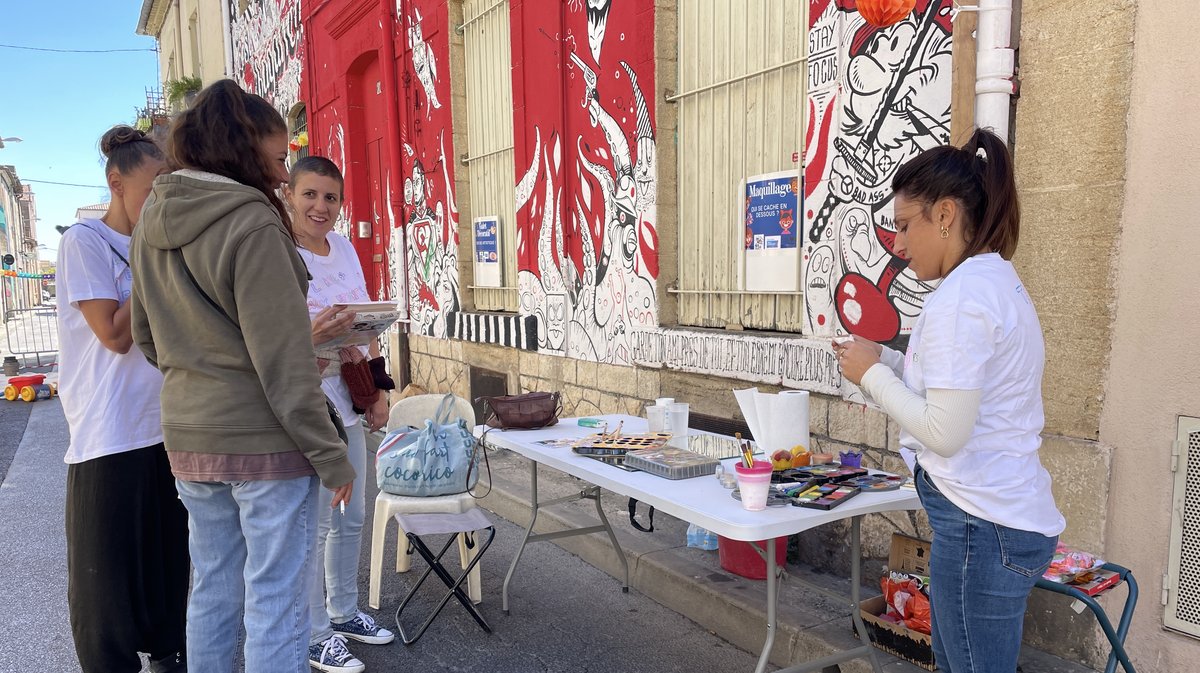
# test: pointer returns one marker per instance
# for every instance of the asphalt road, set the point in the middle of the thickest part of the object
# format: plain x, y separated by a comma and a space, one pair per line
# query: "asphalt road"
566, 615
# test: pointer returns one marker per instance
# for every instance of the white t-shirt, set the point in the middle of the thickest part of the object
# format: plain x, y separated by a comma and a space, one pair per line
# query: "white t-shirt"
979, 331
337, 278
111, 401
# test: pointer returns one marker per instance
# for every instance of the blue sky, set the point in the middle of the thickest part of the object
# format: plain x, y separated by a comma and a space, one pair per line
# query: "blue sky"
61, 104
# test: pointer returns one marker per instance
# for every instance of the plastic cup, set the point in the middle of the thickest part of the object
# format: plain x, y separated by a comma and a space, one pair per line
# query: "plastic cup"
656, 418
754, 483
677, 418
677, 423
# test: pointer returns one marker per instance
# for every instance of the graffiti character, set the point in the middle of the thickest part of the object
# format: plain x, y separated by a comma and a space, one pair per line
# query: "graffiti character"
893, 102
597, 20
424, 64
433, 254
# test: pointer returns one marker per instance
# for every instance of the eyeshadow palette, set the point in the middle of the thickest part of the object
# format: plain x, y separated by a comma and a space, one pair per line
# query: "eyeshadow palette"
876, 482
825, 496
830, 472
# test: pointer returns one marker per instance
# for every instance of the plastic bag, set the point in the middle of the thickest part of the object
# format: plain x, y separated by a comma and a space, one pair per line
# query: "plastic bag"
1069, 562
906, 600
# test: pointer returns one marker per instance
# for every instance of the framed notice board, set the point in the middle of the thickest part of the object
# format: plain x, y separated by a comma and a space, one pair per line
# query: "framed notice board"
489, 272
770, 216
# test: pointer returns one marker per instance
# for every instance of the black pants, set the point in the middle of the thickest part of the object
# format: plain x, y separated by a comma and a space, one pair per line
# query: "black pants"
127, 560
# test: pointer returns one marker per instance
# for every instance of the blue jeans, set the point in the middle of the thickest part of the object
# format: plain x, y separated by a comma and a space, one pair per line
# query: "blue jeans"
339, 542
251, 544
981, 574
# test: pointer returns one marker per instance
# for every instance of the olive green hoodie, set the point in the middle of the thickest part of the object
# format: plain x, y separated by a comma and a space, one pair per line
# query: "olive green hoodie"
245, 382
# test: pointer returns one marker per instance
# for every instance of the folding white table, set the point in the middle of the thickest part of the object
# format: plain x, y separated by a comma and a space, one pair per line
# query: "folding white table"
702, 501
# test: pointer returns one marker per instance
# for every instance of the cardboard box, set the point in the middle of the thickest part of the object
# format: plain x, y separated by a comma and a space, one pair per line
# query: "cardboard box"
910, 555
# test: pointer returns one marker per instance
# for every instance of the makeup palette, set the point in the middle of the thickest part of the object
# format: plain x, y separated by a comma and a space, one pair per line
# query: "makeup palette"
826, 496
831, 472
877, 482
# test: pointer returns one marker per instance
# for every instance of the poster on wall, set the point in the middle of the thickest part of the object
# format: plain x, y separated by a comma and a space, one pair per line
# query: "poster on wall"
770, 215
488, 271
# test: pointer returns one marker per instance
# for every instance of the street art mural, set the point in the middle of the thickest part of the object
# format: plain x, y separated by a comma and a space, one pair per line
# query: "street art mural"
430, 215
876, 98
268, 50
586, 191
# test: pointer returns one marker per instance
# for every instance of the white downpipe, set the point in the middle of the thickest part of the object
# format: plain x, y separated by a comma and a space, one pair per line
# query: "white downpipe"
227, 36
994, 66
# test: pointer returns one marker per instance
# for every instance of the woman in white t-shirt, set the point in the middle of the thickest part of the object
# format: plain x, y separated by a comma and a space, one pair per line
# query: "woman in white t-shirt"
314, 194
127, 553
967, 395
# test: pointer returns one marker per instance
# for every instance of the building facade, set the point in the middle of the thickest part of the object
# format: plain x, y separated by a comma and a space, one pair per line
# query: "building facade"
192, 37
18, 237
559, 193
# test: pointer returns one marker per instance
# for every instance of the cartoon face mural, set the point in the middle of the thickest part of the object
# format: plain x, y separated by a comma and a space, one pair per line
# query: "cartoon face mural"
268, 50
877, 97
586, 200
430, 214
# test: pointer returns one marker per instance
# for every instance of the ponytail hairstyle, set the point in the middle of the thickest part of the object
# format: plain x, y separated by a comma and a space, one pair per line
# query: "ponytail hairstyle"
125, 148
318, 166
223, 133
979, 175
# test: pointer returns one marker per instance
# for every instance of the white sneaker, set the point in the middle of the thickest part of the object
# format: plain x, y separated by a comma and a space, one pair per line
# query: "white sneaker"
364, 629
332, 656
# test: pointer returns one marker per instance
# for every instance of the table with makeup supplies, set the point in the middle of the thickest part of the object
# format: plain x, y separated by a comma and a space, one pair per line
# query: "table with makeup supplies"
699, 500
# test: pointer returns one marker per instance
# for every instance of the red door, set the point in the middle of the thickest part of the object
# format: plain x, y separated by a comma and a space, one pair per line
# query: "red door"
366, 175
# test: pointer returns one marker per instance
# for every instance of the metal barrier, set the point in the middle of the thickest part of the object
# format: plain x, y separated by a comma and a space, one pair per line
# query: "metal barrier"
31, 326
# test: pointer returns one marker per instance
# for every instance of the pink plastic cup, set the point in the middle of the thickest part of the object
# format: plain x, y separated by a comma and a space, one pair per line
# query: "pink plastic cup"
754, 483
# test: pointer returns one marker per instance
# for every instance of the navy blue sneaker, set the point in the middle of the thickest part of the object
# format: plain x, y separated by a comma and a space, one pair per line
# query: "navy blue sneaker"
364, 629
332, 656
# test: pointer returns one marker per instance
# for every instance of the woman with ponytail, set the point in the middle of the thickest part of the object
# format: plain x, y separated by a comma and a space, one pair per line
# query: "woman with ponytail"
967, 395
127, 557
219, 307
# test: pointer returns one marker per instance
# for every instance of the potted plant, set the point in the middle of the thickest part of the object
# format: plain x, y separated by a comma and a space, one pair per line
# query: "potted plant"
181, 91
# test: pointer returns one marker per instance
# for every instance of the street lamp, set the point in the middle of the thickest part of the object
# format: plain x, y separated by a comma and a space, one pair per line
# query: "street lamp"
13, 139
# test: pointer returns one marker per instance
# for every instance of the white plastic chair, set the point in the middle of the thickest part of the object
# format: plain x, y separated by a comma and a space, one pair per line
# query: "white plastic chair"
413, 411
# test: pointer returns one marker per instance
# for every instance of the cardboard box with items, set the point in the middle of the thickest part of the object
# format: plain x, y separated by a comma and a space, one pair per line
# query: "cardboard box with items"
909, 556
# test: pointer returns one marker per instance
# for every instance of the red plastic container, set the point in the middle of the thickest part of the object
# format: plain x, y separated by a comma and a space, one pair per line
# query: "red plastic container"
20, 382
742, 559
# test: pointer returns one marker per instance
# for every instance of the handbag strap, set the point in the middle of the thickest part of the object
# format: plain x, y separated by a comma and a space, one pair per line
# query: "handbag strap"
442, 415
633, 513
478, 447
106, 241
211, 302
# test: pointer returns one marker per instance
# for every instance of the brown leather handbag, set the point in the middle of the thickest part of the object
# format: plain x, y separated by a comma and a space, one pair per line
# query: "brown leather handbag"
522, 412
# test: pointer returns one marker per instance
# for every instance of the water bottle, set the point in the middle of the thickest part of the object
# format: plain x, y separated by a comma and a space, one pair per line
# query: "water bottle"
700, 538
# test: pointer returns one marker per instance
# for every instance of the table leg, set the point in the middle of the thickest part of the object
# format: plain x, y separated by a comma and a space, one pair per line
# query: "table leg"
865, 650
533, 512
772, 606
612, 536
855, 591
592, 493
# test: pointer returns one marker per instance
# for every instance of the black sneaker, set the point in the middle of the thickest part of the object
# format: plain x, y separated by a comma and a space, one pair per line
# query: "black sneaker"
332, 656
364, 629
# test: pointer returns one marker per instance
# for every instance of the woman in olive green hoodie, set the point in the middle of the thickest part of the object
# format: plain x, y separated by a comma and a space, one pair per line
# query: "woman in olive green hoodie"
219, 307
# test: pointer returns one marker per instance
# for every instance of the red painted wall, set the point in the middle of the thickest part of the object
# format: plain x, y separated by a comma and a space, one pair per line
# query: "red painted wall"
583, 92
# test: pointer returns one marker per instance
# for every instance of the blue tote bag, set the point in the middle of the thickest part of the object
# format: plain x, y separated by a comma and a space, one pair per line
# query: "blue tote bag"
438, 459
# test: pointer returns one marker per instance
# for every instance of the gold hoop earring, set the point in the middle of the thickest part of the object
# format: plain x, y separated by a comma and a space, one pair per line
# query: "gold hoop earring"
945, 232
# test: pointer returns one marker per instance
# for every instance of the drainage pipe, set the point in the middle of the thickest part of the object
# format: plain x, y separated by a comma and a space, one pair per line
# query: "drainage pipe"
994, 66
227, 30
